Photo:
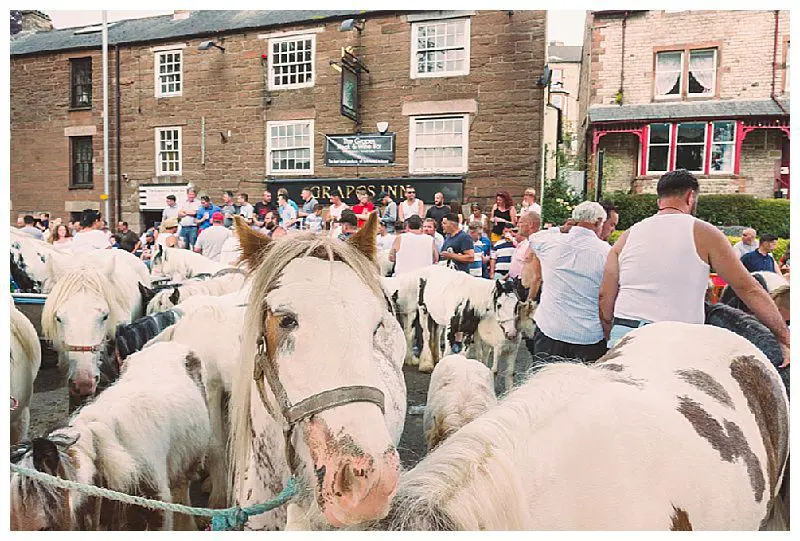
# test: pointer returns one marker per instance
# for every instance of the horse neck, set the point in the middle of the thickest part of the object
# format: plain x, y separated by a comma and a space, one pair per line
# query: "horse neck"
480, 293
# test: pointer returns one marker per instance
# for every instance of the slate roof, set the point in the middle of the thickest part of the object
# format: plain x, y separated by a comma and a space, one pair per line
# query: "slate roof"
674, 111
199, 23
564, 53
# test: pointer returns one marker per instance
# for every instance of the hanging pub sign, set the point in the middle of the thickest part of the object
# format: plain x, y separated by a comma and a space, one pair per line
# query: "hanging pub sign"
349, 98
359, 149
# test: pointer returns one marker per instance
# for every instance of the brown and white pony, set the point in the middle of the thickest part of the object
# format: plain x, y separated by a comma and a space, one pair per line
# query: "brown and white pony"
319, 392
678, 427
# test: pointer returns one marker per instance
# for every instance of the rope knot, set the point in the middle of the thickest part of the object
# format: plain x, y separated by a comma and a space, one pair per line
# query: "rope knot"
233, 518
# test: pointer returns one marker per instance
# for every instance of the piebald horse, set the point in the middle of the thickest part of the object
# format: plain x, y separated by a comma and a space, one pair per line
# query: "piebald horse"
34, 262
319, 392
678, 427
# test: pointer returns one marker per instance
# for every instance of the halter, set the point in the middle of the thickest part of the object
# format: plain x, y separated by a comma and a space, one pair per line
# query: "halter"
94, 348
14, 403
293, 414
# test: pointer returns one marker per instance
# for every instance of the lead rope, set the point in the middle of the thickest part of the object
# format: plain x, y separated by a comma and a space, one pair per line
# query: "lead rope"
232, 518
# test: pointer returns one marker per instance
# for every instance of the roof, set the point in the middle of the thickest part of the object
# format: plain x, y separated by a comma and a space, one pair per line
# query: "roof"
564, 53
198, 23
671, 111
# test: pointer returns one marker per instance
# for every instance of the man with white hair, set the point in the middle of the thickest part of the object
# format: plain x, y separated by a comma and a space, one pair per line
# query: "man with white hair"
747, 244
567, 318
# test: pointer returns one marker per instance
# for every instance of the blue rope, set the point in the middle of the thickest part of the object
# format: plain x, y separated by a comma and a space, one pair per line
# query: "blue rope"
232, 518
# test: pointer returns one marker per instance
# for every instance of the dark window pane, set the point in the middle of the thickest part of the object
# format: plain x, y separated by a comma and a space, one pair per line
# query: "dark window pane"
689, 157
81, 161
659, 133
691, 132
81, 82
657, 160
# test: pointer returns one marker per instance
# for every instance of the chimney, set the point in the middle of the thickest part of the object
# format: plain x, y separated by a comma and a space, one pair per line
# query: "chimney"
35, 21
180, 14
556, 44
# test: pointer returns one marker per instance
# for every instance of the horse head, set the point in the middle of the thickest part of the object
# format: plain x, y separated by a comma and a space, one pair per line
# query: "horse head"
317, 322
146, 293
504, 304
80, 316
36, 506
158, 261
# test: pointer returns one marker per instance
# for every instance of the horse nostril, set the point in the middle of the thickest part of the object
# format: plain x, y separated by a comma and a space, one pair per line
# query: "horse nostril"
97, 379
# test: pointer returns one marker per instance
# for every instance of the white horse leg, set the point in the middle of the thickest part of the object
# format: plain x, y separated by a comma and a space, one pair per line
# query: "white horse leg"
407, 322
296, 519
180, 495
426, 359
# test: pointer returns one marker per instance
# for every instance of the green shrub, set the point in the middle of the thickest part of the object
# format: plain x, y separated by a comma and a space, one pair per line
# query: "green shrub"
632, 208
763, 215
558, 201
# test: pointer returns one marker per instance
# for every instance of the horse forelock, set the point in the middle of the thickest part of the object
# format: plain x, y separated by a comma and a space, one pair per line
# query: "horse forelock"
86, 279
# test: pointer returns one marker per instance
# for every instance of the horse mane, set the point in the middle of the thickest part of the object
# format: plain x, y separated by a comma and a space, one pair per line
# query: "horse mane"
265, 277
89, 279
24, 333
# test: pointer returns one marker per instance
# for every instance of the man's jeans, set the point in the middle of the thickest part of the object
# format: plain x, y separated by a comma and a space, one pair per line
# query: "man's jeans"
622, 327
189, 236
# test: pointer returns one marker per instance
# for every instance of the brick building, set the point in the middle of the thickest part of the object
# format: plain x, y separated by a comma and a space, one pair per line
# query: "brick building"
261, 104
707, 91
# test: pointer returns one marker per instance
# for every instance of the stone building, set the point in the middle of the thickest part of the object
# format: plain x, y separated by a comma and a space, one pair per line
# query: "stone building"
243, 101
707, 91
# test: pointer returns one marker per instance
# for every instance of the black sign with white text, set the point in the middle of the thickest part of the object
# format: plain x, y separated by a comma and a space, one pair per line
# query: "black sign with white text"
359, 149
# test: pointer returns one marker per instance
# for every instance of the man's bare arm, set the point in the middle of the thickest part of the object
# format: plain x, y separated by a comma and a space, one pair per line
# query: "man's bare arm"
609, 287
535, 274
395, 248
722, 258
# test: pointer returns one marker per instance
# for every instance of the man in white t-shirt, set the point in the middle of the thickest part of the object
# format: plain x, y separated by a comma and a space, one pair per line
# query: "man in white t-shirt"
411, 206
188, 218
385, 239
171, 210
413, 249
336, 208
211, 240
246, 210
90, 237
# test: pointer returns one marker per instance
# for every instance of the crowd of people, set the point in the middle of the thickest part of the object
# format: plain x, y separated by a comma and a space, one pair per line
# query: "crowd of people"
590, 293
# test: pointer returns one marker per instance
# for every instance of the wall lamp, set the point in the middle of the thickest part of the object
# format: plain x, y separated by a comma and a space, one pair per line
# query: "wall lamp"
206, 45
348, 24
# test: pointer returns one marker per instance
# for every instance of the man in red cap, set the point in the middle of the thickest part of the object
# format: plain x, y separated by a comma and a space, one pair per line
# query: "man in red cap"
210, 241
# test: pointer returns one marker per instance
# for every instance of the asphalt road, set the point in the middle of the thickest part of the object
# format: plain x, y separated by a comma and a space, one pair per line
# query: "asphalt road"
50, 402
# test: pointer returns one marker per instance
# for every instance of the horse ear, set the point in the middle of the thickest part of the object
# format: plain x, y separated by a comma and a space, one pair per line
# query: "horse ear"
146, 293
175, 296
45, 456
252, 243
365, 240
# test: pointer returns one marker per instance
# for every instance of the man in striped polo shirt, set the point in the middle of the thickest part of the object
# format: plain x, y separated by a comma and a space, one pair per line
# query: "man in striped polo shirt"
483, 249
502, 253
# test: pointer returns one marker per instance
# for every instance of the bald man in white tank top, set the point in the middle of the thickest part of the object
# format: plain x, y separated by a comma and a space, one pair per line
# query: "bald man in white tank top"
658, 269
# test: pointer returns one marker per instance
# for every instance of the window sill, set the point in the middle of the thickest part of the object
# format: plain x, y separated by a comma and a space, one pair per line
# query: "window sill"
304, 173
82, 187
164, 96
289, 87
699, 176
75, 109
670, 99
415, 76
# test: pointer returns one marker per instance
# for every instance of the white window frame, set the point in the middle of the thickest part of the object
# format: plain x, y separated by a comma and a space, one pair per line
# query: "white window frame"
292, 172
787, 69
557, 82
704, 146
412, 144
688, 60
669, 149
157, 73
711, 144
414, 74
270, 64
679, 95
159, 171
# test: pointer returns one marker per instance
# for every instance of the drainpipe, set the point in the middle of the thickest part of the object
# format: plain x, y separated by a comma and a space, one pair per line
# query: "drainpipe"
775, 64
107, 206
622, 61
116, 137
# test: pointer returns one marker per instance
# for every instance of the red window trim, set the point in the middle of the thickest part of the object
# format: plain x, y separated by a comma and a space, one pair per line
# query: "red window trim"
673, 145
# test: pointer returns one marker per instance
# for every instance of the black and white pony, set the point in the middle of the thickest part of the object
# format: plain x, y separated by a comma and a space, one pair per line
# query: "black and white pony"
455, 301
34, 262
770, 281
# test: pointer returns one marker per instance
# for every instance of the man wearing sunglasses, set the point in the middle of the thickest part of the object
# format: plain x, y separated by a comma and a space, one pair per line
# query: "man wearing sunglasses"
411, 206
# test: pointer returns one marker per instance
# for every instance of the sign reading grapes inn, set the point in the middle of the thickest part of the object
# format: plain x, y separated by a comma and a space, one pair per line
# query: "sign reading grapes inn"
359, 149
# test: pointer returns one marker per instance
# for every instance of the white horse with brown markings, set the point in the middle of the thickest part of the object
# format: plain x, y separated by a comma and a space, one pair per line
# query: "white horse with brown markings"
179, 264
319, 393
146, 435
678, 427
460, 391
26, 357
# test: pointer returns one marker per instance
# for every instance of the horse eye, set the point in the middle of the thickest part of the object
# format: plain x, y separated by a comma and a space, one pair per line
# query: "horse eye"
104, 318
288, 322
58, 319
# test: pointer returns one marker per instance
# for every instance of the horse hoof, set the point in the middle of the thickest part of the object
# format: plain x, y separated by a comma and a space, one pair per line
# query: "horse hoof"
426, 368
